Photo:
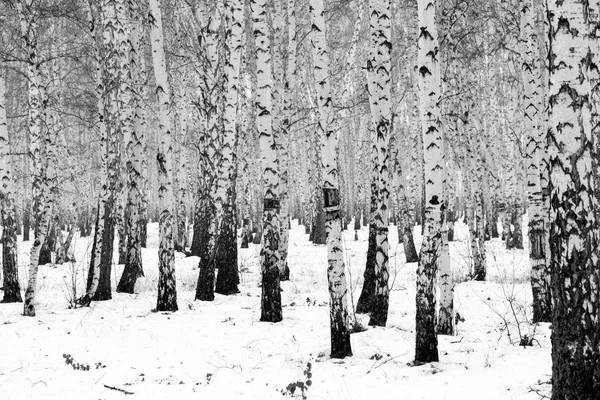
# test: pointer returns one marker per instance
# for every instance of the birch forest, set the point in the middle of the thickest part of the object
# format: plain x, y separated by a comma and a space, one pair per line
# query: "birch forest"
311, 199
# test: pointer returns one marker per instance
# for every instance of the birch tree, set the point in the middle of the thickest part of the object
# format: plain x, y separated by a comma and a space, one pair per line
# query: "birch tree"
429, 94
167, 291
10, 272
227, 276
446, 316
379, 84
40, 146
134, 136
100, 127
538, 210
212, 83
271, 295
328, 132
574, 231
288, 95
106, 15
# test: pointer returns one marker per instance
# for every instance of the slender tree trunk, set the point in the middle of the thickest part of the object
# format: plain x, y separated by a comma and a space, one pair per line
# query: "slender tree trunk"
27, 219
446, 316
367, 294
40, 148
379, 83
167, 290
413, 191
271, 295
99, 248
477, 241
227, 276
135, 136
328, 130
213, 84
10, 272
288, 98
429, 91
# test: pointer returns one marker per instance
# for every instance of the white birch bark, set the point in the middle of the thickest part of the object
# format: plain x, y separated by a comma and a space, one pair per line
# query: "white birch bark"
227, 277
40, 145
167, 291
538, 235
210, 20
271, 296
289, 85
10, 273
429, 94
328, 132
134, 139
379, 84
445, 320
102, 38
574, 228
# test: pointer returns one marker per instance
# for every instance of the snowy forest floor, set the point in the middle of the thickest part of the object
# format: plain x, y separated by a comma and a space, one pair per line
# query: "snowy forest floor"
220, 349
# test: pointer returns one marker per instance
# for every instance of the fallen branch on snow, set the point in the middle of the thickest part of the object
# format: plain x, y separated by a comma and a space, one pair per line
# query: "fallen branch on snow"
118, 389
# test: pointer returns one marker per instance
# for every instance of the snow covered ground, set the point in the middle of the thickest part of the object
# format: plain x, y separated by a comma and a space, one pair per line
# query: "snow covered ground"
220, 350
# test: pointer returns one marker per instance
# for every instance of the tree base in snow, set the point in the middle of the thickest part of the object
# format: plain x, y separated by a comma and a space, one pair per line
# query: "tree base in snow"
270, 307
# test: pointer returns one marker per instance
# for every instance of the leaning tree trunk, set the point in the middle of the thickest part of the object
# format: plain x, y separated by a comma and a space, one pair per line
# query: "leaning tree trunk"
10, 272
328, 131
574, 228
167, 290
429, 91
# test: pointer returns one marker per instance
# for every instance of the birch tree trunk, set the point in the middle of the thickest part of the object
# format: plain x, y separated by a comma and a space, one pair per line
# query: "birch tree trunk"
271, 295
538, 235
366, 300
10, 272
40, 148
284, 157
379, 84
167, 290
328, 132
134, 136
412, 185
478, 221
446, 316
227, 276
108, 128
574, 230
429, 93
210, 20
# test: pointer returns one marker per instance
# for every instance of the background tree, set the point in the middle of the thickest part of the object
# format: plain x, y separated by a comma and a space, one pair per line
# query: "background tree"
10, 273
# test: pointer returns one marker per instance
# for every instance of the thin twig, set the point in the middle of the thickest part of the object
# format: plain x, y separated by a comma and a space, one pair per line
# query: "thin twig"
118, 389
